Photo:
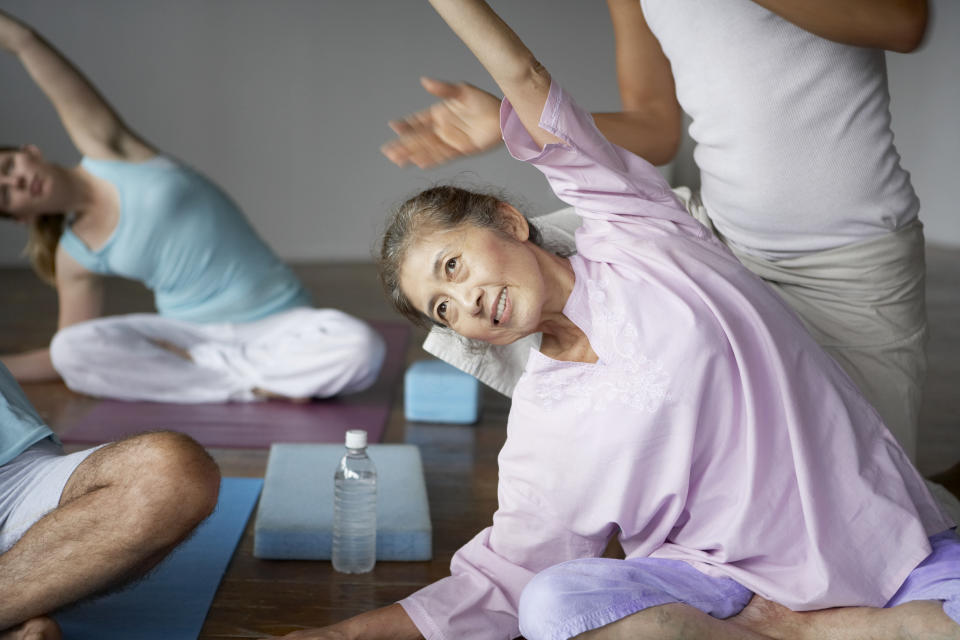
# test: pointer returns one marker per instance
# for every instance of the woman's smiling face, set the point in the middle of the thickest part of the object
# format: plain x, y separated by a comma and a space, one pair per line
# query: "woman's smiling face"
483, 283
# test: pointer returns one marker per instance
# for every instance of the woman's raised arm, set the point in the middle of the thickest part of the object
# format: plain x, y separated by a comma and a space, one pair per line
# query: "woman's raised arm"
523, 80
93, 125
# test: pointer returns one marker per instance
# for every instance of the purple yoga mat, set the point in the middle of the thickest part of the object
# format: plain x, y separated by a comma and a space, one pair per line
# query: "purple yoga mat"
258, 424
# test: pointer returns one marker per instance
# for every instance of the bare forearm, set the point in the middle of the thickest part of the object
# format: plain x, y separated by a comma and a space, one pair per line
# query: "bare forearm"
31, 366
649, 138
501, 52
83, 111
897, 25
490, 39
650, 118
387, 623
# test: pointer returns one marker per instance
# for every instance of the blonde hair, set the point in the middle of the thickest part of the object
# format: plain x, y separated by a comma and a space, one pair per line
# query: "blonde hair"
41, 249
439, 208
42, 240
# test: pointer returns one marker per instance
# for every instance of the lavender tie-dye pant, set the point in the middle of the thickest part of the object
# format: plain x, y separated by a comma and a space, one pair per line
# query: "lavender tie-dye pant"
577, 596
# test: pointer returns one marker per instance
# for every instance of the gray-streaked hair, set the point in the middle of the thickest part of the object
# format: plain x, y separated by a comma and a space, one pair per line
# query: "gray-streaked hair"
436, 209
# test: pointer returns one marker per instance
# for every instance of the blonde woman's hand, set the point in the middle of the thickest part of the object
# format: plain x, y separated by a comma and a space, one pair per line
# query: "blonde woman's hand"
465, 122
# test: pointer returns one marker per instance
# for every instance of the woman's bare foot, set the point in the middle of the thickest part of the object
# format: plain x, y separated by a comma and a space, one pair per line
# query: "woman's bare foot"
172, 348
269, 395
36, 629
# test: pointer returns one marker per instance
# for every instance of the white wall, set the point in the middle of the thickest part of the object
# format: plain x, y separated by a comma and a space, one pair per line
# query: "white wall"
285, 102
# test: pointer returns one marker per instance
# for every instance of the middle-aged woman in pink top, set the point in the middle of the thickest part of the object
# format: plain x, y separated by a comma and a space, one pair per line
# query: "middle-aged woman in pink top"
675, 401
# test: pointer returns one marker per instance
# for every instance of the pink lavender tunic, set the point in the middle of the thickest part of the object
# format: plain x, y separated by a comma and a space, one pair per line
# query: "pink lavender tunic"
712, 429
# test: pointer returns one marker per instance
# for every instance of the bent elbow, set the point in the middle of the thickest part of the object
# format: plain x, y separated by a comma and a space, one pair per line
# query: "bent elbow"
910, 28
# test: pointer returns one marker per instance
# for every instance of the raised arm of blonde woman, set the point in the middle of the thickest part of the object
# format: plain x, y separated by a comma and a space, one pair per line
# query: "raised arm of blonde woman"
92, 124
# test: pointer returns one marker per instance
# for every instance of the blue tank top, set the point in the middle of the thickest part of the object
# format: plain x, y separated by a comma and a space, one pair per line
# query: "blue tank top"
189, 243
20, 426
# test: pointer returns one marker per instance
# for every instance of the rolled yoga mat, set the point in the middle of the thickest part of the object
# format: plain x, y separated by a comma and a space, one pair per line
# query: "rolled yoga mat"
253, 425
171, 603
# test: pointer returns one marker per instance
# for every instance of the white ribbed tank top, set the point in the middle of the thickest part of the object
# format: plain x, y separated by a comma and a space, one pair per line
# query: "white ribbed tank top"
792, 131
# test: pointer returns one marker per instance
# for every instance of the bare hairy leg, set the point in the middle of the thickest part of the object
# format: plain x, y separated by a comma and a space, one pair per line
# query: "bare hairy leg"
123, 509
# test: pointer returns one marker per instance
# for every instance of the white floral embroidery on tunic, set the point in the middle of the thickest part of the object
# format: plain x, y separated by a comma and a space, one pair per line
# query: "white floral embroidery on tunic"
629, 379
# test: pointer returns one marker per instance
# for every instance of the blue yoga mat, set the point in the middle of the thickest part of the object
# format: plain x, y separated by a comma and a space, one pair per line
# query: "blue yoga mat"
171, 603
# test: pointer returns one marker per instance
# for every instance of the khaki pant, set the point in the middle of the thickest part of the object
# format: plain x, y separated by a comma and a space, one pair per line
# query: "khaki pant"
864, 304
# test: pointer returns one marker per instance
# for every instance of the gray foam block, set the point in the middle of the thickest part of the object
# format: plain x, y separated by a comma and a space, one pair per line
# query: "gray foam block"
295, 516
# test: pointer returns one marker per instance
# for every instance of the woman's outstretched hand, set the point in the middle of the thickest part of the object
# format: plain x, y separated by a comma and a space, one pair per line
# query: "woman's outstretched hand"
386, 623
12, 32
465, 122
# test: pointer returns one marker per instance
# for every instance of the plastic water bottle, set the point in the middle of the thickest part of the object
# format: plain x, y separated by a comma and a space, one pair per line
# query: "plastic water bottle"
355, 508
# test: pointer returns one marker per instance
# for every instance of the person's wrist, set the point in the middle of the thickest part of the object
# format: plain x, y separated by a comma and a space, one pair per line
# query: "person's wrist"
18, 39
345, 630
387, 623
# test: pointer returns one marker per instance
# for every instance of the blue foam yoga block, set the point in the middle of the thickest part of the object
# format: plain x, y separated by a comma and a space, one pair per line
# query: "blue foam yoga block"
434, 391
295, 517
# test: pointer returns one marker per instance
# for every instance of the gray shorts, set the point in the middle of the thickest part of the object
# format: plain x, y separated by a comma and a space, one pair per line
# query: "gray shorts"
31, 485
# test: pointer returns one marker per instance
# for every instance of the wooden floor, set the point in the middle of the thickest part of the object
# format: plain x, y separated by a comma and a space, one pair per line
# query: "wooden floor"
258, 598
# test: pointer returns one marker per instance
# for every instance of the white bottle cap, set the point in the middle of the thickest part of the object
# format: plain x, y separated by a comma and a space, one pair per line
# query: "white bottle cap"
356, 439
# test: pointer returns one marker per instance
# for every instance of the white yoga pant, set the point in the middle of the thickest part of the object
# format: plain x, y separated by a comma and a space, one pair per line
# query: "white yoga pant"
31, 485
300, 353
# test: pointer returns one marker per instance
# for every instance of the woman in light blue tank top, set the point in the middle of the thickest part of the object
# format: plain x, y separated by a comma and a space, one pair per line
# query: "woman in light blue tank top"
232, 323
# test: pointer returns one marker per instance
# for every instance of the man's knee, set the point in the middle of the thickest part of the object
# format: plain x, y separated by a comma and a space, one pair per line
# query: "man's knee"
182, 472
170, 484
